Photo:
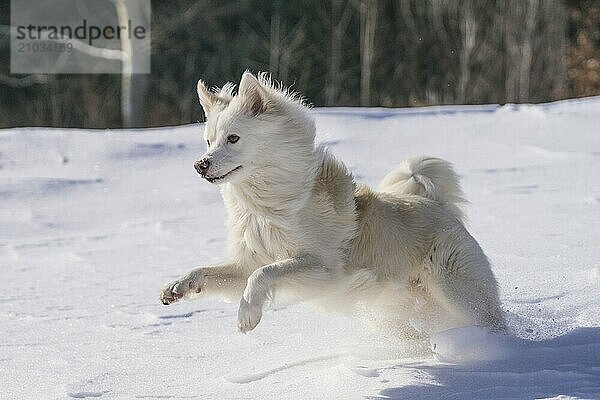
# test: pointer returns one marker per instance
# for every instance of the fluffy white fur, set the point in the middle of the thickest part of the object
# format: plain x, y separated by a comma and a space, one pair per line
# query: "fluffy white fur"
300, 226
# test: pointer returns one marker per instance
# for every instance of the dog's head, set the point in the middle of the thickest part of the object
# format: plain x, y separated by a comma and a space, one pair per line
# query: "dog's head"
261, 126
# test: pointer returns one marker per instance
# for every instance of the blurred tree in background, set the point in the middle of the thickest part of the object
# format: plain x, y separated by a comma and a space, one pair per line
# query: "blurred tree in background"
392, 53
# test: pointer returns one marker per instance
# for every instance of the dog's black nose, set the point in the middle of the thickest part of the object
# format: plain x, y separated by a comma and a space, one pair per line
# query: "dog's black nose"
202, 165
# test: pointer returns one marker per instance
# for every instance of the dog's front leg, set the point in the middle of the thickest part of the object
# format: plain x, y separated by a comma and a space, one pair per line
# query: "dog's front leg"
225, 280
305, 274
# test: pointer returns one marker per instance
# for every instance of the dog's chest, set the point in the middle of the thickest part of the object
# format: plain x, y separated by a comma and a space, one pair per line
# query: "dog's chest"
267, 239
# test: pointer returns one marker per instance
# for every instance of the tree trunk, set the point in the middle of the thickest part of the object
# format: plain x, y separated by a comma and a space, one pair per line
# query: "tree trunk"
275, 45
368, 23
527, 49
133, 85
339, 24
468, 26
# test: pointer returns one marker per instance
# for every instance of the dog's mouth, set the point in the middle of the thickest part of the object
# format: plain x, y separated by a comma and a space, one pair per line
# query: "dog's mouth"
219, 178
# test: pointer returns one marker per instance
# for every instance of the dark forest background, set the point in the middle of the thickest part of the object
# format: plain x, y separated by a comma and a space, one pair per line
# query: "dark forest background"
391, 53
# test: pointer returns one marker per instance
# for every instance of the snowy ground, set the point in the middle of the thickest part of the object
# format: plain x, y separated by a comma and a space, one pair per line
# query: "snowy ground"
93, 223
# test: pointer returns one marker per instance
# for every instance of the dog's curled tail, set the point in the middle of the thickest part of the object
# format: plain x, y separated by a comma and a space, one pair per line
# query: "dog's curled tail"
429, 177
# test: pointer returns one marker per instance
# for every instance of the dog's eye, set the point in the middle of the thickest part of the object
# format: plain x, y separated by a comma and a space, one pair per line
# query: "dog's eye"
208, 142
233, 138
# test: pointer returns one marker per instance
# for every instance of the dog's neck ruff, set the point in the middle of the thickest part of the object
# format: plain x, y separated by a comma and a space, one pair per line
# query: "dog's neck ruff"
264, 211
277, 193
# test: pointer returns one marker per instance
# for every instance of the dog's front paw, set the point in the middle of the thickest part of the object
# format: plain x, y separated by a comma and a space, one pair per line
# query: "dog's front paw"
249, 316
167, 296
184, 286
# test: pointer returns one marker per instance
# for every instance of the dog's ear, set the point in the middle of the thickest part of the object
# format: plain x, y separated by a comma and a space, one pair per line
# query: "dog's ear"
207, 98
252, 94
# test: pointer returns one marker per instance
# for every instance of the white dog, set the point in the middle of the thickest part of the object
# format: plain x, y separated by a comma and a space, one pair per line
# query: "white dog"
299, 224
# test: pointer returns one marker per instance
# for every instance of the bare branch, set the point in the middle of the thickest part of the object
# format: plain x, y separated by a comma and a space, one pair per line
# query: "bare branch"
108, 54
28, 80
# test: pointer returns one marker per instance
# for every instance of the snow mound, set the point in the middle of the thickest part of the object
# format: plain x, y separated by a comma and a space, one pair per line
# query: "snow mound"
469, 344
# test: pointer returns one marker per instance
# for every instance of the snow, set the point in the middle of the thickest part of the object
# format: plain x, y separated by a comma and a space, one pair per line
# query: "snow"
93, 223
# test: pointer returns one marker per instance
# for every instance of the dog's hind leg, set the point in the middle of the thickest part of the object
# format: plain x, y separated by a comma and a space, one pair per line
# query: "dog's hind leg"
462, 282
468, 293
466, 302
304, 275
224, 280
